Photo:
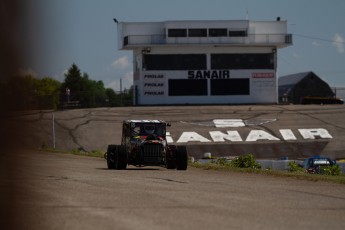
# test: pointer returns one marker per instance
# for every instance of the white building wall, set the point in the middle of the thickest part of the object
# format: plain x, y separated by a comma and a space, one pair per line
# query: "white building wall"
139, 31
152, 87
268, 27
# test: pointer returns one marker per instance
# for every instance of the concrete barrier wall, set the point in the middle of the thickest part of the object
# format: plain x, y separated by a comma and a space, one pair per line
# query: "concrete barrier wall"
342, 166
277, 164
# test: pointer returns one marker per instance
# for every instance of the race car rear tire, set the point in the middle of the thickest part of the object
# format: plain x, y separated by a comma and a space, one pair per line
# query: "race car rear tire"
181, 158
111, 156
171, 159
121, 155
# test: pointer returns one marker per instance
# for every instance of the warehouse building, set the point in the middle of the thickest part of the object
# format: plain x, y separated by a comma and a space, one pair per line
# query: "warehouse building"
306, 88
204, 62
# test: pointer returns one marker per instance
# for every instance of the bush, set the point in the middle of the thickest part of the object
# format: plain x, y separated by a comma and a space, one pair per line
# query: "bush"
294, 167
220, 161
332, 170
245, 161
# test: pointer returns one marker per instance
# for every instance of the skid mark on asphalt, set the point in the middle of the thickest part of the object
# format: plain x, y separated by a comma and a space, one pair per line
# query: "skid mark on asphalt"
319, 194
58, 177
169, 180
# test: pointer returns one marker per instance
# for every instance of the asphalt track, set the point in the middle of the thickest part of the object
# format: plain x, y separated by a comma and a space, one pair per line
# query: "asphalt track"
62, 191
95, 129
41, 190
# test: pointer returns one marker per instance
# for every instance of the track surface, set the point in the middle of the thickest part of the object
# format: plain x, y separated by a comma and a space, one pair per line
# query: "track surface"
95, 129
60, 191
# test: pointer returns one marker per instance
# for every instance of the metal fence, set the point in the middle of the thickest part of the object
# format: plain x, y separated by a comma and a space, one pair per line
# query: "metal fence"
76, 99
339, 92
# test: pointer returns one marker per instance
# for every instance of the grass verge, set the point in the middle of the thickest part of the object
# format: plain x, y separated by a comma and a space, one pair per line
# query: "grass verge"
79, 152
212, 166
276, 173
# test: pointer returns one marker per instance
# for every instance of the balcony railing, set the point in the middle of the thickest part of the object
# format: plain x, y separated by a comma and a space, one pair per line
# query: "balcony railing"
250, 39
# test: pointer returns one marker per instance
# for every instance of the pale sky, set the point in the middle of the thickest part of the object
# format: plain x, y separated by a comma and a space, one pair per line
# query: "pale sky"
58, 33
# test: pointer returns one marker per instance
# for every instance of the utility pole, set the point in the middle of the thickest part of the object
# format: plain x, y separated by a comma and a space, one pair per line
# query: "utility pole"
53, 120
121, 92
121, 85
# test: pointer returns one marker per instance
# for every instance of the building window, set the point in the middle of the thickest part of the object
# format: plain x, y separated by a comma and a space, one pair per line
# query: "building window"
217, 32
242, 61
197, 32
230, 87
174, 62
237, 33
187, 87
125, 41
177, 32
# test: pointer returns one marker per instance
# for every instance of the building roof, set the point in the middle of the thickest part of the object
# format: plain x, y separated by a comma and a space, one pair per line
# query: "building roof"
134, 35
144, 121
313, 85
286, 83
293, 79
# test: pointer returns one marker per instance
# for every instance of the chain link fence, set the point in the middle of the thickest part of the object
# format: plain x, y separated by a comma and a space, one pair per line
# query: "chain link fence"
58, 101
339, 92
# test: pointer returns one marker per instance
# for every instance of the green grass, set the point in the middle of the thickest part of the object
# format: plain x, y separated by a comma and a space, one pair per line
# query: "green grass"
93, 153
225, 167
276, 173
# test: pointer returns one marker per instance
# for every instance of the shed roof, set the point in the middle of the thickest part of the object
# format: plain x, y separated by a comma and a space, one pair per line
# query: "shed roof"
293, 79
315, 86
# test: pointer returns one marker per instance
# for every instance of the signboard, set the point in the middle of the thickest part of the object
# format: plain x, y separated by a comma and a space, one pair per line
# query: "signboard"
153, 85
206, 87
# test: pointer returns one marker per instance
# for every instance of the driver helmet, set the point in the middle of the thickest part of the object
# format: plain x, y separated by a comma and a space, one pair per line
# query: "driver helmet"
149, 129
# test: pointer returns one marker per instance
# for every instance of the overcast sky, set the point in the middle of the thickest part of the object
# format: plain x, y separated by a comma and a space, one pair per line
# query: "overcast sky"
57, 33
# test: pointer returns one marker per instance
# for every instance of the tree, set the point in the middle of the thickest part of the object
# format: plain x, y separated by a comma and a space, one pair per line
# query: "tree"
89, 93
127, 97
113, 98
48, 93
28, 92
19, 92
73, 78
93, 92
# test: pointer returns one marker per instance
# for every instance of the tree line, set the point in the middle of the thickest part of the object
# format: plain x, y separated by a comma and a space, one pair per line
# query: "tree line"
28, 92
